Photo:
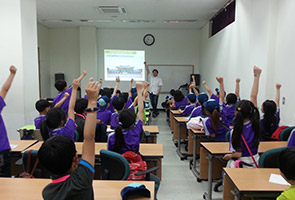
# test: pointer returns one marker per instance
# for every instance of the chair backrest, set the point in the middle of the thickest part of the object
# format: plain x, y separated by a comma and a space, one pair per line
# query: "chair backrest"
113, 166
40, 172
286, 133
270, 158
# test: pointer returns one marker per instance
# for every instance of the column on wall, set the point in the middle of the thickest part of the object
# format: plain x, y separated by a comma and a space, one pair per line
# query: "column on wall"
18, 39
88, 54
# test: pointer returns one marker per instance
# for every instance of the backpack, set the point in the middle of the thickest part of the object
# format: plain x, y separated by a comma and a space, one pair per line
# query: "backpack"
136, 165
276, 134
195, 123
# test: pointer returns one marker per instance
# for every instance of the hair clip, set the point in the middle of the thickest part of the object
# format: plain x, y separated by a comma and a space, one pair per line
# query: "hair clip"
239, 109
120, 123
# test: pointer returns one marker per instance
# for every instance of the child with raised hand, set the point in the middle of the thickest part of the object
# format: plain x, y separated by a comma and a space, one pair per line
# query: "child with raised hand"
127, 134
72, 178
61, 86
180, 101
129, 100
56, 122
110, 107
5, 154
199, 110
104, 115
191, 97
228, 107
271, 115
215, 124
211, 95
287, 165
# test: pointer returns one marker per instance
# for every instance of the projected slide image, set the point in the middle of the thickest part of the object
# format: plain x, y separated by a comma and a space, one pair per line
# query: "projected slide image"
124, 63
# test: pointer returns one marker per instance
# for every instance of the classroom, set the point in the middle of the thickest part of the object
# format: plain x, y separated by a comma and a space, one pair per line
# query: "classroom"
42, 38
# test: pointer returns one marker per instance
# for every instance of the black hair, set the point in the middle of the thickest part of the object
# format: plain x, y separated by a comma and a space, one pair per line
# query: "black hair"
245, 110
215, 119
118, 92
124, 95
231, 99
81, 105
53, 119
60, 85
107, 92
287, 163
178, 96
270, 117
172, 92
155, 70
118, 103
126, 120
56, 154
41, 105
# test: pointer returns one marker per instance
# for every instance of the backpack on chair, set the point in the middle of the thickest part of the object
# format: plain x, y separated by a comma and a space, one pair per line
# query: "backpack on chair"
136, 165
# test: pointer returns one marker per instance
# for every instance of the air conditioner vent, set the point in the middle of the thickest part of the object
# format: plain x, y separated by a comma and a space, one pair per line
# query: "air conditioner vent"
111, 10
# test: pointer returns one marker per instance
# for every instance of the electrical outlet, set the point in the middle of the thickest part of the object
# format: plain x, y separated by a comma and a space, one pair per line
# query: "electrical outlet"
284, 100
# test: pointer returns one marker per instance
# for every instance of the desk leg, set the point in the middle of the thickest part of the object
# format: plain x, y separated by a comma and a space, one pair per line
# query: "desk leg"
227, 188
208, 194
194, 167
182, 157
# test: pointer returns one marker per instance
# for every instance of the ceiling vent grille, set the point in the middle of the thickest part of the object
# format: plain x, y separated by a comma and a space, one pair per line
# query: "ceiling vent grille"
111, 10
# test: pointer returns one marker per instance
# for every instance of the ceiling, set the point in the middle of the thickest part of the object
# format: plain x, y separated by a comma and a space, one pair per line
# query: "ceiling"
150, 13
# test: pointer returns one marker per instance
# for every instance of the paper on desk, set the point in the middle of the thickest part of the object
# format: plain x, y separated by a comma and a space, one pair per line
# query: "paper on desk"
278, 179
13, 146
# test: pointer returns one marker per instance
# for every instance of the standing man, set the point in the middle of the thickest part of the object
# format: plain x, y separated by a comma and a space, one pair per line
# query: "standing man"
154, 88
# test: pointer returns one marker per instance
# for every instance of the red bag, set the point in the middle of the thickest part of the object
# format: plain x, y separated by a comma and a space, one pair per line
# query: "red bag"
276, 134
136, 165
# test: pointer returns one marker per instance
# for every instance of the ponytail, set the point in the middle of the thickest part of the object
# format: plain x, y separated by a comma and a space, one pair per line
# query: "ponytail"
119, 140
238, 130
256, 126
215, 120
44, 130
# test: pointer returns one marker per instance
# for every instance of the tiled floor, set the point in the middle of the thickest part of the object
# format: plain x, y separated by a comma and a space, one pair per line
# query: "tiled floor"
178, 182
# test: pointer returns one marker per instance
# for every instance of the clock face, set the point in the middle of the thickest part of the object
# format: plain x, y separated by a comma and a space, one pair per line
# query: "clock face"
149, 39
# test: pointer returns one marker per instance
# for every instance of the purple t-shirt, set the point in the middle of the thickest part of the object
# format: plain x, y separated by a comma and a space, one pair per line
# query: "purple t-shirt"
65, 105
291, 139
274, 127
104, 116
114, 120
4, 142
196, 112
131, 137
38, 121
184, 102
221, 130
67, 130
248, 134
228, 112
216, 98
111, 107
188, 109
129, 102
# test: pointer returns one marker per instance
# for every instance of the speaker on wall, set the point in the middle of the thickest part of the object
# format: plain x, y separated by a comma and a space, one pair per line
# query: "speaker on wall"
59, 76
197, 78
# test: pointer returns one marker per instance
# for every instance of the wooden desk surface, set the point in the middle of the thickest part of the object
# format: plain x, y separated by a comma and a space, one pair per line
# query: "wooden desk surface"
175, 112
181, 119
21, 145
223, 147
254, 179
29, 189
147, 150
197, 131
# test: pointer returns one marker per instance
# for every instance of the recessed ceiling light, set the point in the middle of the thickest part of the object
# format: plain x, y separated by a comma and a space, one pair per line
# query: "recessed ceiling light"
56, 20
137, 21
97, 20
180, 21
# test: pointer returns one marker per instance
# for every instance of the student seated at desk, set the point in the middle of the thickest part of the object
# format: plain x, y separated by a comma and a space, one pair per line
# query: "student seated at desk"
103, 115
287, 166
73, 179
56, 122
180, 101
5, 154
113, 96
200, 110
214, 125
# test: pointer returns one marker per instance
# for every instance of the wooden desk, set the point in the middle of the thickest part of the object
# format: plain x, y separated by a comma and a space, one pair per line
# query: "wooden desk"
181, 133
213, 149
152, 153
172, 120
28, 189
21, 145
250, 182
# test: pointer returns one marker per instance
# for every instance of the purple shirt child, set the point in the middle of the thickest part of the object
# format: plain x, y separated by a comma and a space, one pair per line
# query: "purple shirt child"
4, 142
216, 98
196, 112
114, 118
188, 109
221, 130
184, 102
104, 116
67, 130
38, 121
274, 127
131, 137
129, 102
228, 112
65, 105
291, 139
248, 134
111, 107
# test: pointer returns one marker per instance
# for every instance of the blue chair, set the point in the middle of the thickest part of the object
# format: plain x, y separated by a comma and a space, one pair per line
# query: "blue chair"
284, 136
270, 158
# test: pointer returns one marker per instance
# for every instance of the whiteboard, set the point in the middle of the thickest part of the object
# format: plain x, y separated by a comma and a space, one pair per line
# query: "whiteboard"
172, 76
